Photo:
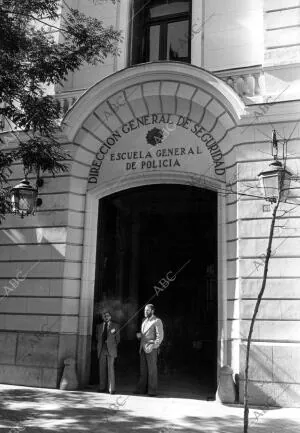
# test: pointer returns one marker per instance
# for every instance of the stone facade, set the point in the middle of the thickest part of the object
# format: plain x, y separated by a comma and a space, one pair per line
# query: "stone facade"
46, 315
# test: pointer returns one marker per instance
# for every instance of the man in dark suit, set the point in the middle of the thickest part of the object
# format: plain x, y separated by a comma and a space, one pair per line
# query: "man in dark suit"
108, 338
151, 336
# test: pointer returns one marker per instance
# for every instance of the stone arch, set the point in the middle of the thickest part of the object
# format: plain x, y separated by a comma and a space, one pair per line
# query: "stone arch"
177, 88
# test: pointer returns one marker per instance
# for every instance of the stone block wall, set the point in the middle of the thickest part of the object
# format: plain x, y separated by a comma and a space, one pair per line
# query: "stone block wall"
40, 271
275, 348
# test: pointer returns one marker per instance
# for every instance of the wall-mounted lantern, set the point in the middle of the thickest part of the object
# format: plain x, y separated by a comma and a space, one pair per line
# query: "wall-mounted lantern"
276, 181
24, 198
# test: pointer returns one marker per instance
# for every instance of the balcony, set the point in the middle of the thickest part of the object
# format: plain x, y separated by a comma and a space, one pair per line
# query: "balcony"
248, 82
67, 99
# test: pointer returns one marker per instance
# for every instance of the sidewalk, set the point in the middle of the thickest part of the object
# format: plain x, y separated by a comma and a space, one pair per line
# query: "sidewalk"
40, 410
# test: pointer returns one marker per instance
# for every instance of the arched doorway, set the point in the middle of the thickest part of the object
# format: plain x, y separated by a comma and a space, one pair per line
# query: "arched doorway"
146, 126
158, 243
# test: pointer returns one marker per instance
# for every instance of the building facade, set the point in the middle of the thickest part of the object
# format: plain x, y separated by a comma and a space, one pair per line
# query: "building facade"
162, 199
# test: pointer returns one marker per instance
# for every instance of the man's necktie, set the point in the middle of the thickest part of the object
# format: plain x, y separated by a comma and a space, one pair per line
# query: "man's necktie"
104, 334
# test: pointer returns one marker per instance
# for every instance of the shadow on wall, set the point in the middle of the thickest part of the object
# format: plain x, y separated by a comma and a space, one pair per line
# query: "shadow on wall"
270, 384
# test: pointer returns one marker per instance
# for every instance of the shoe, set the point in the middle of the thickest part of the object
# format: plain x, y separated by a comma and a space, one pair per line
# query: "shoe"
112, 392
152, 395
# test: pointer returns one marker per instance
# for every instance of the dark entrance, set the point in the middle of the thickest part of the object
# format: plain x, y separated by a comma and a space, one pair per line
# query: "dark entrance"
144, 235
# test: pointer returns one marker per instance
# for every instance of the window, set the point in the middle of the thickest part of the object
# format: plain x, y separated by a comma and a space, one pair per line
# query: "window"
161, 30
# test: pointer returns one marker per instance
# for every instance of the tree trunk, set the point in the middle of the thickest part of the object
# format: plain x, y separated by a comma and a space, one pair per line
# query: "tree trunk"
258, 301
